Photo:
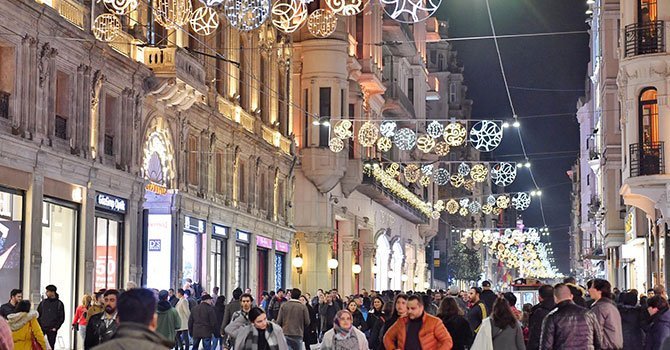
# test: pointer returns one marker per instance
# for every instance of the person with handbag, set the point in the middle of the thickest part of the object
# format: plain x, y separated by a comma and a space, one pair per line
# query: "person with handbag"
501, 331
79, 320
26, 331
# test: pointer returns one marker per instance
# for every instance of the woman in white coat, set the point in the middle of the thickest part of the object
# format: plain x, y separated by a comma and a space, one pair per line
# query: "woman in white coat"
343, 335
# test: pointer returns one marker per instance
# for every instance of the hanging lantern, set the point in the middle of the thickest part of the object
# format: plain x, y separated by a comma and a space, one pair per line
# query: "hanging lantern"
106, 27
204, 21
121, 7
289, 15
322, 23
246, 15
172, 14
346, 7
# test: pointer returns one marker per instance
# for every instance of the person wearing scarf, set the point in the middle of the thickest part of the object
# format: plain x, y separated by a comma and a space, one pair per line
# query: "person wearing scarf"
261, 334
343, 335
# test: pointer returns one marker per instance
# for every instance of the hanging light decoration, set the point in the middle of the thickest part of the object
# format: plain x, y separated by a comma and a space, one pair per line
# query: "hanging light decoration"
246, 15
425, 181
463, 211
106, 27
384, 144
211, 3
289, 15
405, 139
204, 21
425, 143
521, 201
452, 207
172, 14
464, 169
457, 180
439, 205
441, 148
502, 202
336, 145
469, 185
435, 129
503, 174
474, 207
485, 136
478, 173
346, 7
387, 129
322, 23
491, 200
410, 11
412, 173
455, 134
343, 129
121, 7
487, 209
368, 134
427, 169
442, 176
393, 170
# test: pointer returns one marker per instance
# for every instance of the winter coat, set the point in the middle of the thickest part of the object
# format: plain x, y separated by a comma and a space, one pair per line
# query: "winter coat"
310, 336
6, 310
202, 323
24, 327
273, 334
570, 326
220, 310
659, 330
273, 308
168, 320
537, 314
80, 316
388, 323
459, 329
359, 321
329, 340
93, 310
609, 318
488, 297
476, 315
239, 320
6, 340
51, 313
184, 313
631, 324
376, 327
327, 313
97, 331
231, 308
508, 338
293, 318
432, 335
135, 336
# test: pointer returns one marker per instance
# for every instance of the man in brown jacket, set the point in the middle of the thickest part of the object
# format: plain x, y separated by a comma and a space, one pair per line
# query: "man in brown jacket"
418, 330
294, 318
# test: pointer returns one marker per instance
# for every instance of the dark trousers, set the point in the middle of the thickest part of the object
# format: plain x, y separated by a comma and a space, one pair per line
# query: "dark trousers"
183, 340
206, 343
51, 337
294, 343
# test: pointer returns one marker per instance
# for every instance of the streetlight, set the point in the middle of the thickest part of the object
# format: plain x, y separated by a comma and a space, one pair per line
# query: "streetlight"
333, 263
297, 261
356, 269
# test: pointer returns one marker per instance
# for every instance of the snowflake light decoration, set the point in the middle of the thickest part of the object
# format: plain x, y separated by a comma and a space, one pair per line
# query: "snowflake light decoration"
322, 23
405, 139
425, 143
441, 148
246, 15
502, 202
336, 145
387, 129
435, 129
368, 134
121, 7
478, 173
503, 174
346, 7
343, 129
452, 206
521, 201
454, 134
410, 11
384, 144
474, 207
457, 180
172, 14
464, 169
442, 176
411, 173
289, 15
393, 170
204, 21
106, 27
485, 136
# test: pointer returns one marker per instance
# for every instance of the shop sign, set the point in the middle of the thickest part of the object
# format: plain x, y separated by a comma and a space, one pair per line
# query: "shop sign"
281, 246
263, 242
112, 203
159, 255
221, 231
157, 165
436, 258
194, 225
242, 236
105, 266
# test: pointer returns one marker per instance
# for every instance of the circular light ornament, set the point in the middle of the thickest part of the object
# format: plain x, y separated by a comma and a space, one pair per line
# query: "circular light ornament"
172, 14
384, 144
246, 15
502, 202
478, 173
485, 136
452, 206
464, 202
474, 207
405, 139
410, 11
106, 27
289, 15
503, 174
427, 169
441, 148
463, 211
121, 7
439, 205
425, 181
464, 240
412, 173
477, 236
487, 209
521, 201
457, 180
346, 7
464, 169
343, 129
322, 23
491, 200
336, 145
387, 129
435, 129
467, 233
435, 214
454, 133
211, 3
368, 134
393, 170
204, 21
442, 176
425, 143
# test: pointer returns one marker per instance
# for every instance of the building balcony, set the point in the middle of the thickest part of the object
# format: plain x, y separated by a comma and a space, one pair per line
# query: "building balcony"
382, 195
322, 167
71, 10
398, 37
181, 78
646, 185
645, 38
647, 159
397, 104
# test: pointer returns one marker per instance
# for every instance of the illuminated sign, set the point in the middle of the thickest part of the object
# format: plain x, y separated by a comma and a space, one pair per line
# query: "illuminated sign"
112, 203
281, 246
159, 249
263, 242
194, 225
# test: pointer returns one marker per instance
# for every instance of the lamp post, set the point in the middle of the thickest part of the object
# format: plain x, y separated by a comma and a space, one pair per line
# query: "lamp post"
298, 261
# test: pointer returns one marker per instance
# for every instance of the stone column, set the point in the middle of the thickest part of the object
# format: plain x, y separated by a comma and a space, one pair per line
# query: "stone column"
33, 240
253, 264
367, 261
315, 247
87, 240
133, 234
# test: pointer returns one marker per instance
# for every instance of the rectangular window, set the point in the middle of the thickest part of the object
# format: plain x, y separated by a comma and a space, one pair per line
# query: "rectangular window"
60, 130
111, 122
218, 262
192, 157
7, 72
62, 105
360, 34
107, 250
241, 183
410, 90
220, 166
452, 92
281, 206
324, 111
241, 265
263, 192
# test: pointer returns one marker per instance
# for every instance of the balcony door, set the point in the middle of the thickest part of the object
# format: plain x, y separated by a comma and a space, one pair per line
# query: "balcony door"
648, 118
647, 11
647, 155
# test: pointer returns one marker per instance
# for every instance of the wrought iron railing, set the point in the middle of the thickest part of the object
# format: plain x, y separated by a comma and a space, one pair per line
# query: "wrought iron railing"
645, 38
647, 159
369, 180
4, 104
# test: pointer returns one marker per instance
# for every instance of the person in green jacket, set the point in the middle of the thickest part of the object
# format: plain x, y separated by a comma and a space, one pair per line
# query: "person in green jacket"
168, 318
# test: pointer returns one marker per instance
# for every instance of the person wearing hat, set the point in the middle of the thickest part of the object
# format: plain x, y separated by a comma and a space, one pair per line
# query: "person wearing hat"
202, 324
51, 314
168, 317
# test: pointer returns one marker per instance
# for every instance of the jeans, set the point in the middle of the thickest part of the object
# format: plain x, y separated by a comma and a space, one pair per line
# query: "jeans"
294, 343
182, 340
216, 342
206, 343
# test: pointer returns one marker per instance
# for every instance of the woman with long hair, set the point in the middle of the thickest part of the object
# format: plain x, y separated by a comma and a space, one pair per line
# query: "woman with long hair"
375, 321
311, 332
359, 320
399, 310
260, 334
25, 327
502, 329
79, 320
343, 335
459, 328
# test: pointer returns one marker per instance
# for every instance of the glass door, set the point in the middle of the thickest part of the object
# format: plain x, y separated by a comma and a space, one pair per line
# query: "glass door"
107, 253
11, 234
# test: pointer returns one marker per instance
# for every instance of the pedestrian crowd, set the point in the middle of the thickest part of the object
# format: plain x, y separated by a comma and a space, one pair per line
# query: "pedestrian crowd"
567, 316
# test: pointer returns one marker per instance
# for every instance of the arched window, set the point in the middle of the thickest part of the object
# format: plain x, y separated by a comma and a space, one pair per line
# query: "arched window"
383, 252
396, 264
647, 11
648, 117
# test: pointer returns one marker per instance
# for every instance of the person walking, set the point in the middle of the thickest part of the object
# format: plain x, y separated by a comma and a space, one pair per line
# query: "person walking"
399, 311
311, 333
502, 330
101, 327
538, 313
260, 333
419, 330
137, 323
25, 328
220, 309
240, 318
172, 298
359, 319
569, 326
275, 305
478, 312
327, 311
184, 312
659, 329
15, 296
488, 297
343, 334
79, 319
97, 305
457, 326
232, 307
376, 340
51, 314
202, 323
293, 319
631, 321
607, 314
168, 321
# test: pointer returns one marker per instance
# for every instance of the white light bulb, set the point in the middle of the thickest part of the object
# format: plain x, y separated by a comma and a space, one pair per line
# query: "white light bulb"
505, 125
527, 165
516, 124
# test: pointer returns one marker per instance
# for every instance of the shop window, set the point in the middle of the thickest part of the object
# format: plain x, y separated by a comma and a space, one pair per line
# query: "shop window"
241, 265
62, 105
194, 229
262, 265
7, 74
218, 262
11, 227
107, 249
324, 111
111, 123
648, 120
193, 152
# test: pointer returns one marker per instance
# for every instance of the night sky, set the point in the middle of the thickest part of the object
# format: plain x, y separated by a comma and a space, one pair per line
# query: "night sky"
532, 65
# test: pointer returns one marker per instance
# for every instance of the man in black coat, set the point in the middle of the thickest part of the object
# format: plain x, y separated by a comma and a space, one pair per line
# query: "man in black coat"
478, 312
202, 324
537, 315
488, 297
51, 314
102, 326
569, 326
15, 296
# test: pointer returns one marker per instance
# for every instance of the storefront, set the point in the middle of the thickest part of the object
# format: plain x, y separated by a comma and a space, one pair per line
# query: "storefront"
158, 250
242, 260
192, 237
219, 257
281, 250
109, 225
633, 267
11, 240
263, 249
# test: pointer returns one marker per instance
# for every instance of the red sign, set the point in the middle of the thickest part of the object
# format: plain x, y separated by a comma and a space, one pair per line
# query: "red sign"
105, 267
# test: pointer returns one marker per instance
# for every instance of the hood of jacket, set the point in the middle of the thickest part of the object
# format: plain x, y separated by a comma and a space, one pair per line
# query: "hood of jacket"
163, 306
140, 332
18, 320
